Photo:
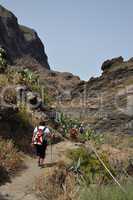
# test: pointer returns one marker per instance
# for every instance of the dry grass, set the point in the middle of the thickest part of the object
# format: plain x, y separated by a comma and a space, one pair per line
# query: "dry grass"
57, 185
10, 96
3, 80
60, 184
10, 158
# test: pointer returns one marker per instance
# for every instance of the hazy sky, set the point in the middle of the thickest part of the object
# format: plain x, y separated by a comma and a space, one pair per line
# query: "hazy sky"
79, 34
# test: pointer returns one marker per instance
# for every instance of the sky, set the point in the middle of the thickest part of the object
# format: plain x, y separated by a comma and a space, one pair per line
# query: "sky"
79, 35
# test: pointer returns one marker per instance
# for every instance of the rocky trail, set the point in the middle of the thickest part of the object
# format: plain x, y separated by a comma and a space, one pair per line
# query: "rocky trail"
21, 186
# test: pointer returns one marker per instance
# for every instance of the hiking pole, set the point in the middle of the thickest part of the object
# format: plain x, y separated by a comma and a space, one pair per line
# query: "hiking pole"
51, 150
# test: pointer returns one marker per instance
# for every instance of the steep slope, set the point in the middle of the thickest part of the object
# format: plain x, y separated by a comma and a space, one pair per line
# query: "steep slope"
106, 102
25, 49
20, 41
59, 84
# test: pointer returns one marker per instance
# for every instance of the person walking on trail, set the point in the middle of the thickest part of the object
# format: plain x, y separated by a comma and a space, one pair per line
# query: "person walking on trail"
40, 138
81, 129
74, 133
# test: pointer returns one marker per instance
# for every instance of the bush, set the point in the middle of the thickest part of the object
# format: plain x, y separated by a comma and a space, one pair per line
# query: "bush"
10, 158
23, 76
111, 192
57, 185
90, 167
3, 80
28, 77
66, 123
31, 80
93, 136
3, 61
23, 117
10, 96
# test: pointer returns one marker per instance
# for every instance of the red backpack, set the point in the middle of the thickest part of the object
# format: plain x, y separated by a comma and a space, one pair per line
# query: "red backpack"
39, 136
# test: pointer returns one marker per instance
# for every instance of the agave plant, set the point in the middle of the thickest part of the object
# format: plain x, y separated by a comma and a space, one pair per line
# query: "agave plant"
77, 166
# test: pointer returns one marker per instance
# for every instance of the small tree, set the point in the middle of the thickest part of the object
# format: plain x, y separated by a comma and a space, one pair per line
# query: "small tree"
3, 61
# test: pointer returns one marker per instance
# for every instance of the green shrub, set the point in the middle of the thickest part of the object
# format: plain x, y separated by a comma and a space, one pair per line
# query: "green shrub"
91, 168
67, 123
23, 76
91, 135
22, 127
23, 117
3, 80
31, 80
111, 192
28, 76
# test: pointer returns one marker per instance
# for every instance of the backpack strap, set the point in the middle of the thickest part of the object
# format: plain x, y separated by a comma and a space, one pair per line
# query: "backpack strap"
44, 134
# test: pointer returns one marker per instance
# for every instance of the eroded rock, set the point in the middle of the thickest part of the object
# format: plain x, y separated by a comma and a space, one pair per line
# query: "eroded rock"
20, 41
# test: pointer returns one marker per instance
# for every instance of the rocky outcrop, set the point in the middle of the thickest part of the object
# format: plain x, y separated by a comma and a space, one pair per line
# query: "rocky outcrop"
58, 83
25, 49
115, 61
7, 111
105, 103
20, 41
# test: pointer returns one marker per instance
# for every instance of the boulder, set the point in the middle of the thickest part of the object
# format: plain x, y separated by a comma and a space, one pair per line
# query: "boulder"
33, 100
130, 60
115, 61
7, 111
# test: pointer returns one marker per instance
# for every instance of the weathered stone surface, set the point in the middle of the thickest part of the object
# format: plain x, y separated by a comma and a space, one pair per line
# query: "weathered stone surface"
105, 103
33, 100
115, 61
58, 83
20, 41
7, 111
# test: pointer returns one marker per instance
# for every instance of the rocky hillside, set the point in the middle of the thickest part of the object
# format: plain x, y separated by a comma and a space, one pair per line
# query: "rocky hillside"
59, 84
25, 49
20, 41
105, 103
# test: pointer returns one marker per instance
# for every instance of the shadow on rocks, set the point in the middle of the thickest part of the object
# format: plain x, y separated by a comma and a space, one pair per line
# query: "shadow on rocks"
48, 165
3, 198
4, 176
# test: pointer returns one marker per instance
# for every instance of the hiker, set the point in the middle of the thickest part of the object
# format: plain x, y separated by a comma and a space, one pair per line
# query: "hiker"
81, 129
74, 132
40, 141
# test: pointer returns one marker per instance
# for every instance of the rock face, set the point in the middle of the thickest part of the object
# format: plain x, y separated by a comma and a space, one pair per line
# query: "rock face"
59, 84
115, 61
25, 49
6, 112
20, 41
105, 103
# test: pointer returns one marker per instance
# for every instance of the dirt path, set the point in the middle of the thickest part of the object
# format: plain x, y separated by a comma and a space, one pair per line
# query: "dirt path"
20, 187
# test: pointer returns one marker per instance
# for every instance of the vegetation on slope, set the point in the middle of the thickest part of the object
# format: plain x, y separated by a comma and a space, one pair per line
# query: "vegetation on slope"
3, 61
88, 179
15, 128
10, 159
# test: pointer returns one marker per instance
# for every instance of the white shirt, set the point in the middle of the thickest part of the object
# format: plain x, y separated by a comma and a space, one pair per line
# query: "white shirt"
46, 131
